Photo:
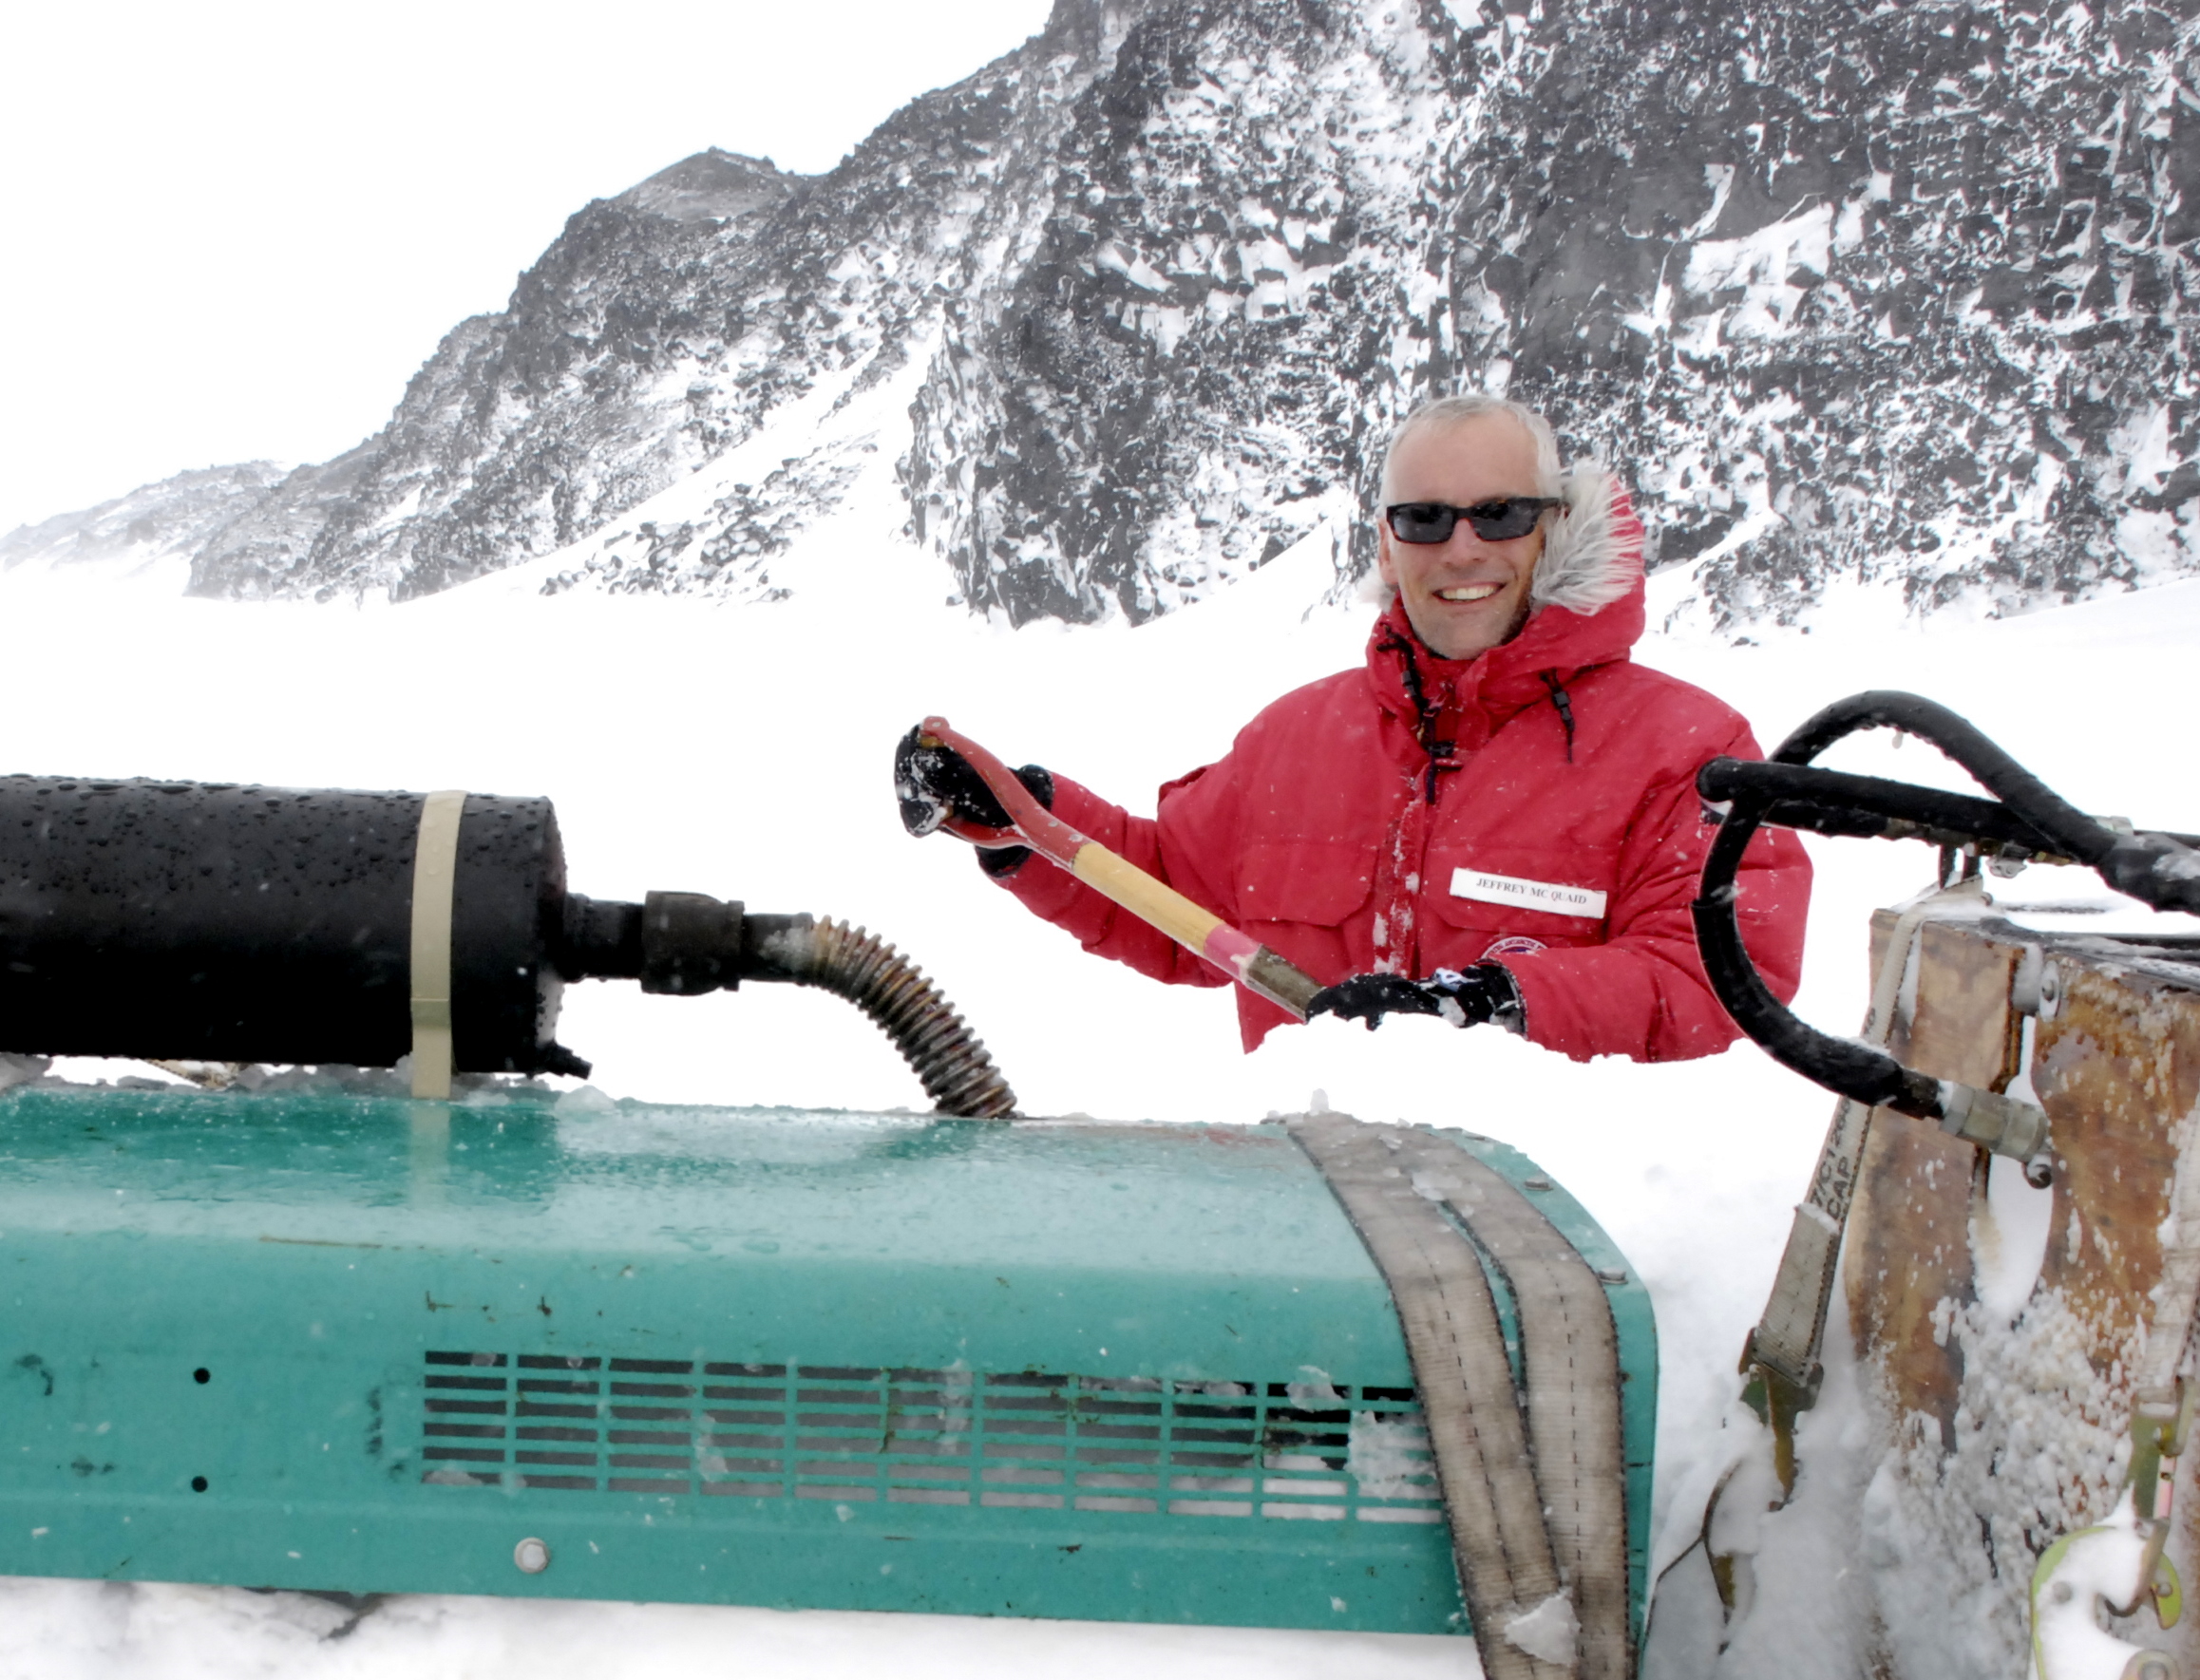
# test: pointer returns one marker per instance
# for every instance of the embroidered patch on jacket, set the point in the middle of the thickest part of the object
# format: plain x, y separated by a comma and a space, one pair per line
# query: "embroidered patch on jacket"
1511, 945
1529, 894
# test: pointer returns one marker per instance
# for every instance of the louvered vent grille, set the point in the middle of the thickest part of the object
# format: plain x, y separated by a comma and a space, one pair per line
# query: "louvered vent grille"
927, 1437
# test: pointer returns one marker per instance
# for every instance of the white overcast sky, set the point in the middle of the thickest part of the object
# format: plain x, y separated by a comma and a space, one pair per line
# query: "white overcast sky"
232, 229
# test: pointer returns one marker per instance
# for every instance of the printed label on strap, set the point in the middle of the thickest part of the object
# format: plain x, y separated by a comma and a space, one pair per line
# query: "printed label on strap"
1527, 895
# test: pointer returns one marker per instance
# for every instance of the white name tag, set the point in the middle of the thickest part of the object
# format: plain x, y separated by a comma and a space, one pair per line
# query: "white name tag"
1527, 895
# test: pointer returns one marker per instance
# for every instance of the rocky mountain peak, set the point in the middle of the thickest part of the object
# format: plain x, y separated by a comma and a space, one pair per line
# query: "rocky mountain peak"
712, 187
1854, 294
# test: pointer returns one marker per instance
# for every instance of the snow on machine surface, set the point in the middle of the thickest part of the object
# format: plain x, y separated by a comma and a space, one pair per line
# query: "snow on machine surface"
443, 1329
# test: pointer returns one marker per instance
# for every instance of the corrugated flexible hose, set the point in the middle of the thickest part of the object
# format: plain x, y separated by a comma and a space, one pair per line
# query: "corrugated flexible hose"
958, 1073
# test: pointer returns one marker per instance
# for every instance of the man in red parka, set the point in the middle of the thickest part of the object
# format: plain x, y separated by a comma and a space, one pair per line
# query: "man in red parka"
1493, 819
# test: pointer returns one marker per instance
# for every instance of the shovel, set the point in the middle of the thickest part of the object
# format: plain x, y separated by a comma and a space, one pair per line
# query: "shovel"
1201, 931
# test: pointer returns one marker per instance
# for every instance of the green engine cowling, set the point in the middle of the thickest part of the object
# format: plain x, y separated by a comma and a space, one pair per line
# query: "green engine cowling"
822, 1360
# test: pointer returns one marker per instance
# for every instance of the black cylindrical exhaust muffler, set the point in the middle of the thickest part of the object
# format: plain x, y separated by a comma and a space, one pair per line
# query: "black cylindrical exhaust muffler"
195, 922
175, 921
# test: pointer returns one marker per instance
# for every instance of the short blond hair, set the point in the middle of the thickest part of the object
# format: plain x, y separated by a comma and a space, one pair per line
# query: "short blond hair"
1450, 411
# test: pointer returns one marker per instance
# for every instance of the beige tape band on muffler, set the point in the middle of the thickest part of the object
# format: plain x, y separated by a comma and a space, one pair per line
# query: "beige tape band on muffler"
434, 883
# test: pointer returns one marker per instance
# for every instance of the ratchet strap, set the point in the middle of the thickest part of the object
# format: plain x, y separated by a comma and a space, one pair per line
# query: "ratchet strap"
1782, 1355
434, 883
1534, 1481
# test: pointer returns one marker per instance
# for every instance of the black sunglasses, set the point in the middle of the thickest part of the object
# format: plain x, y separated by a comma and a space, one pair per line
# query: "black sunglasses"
1497, 520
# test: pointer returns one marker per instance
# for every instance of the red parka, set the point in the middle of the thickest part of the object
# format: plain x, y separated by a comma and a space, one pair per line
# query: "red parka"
1535, 806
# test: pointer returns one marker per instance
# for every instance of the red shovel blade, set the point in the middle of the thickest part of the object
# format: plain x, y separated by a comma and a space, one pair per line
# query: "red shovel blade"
1030, 823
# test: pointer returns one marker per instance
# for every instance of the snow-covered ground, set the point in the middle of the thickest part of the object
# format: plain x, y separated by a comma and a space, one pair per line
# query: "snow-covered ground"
743, 751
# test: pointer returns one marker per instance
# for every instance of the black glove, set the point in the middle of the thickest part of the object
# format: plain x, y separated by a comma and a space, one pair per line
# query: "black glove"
936, 783
1484, 993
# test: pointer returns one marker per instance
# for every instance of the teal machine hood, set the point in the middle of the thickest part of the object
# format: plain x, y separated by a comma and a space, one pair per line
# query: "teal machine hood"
510, 1345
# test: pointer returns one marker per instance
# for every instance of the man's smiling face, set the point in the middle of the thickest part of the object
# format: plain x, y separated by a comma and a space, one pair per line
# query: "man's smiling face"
1464, 595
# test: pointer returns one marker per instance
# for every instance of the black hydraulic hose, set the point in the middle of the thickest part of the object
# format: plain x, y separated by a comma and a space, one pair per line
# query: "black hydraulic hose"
1855, 1071
2026, 820
957, 1072
2157, 869
1869, 808
2074, 833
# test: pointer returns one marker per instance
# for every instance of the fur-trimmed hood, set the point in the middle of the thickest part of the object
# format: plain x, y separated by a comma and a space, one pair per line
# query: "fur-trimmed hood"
1592, 554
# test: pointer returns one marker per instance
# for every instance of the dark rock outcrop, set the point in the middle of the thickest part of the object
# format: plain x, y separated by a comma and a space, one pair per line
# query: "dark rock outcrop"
1900, 294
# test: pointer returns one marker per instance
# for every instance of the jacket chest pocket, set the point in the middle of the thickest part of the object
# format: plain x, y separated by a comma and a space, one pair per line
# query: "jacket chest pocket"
1315, 882
1549, 895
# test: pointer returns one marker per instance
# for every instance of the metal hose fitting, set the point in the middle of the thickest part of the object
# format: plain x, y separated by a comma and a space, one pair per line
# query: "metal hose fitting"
958, 1073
